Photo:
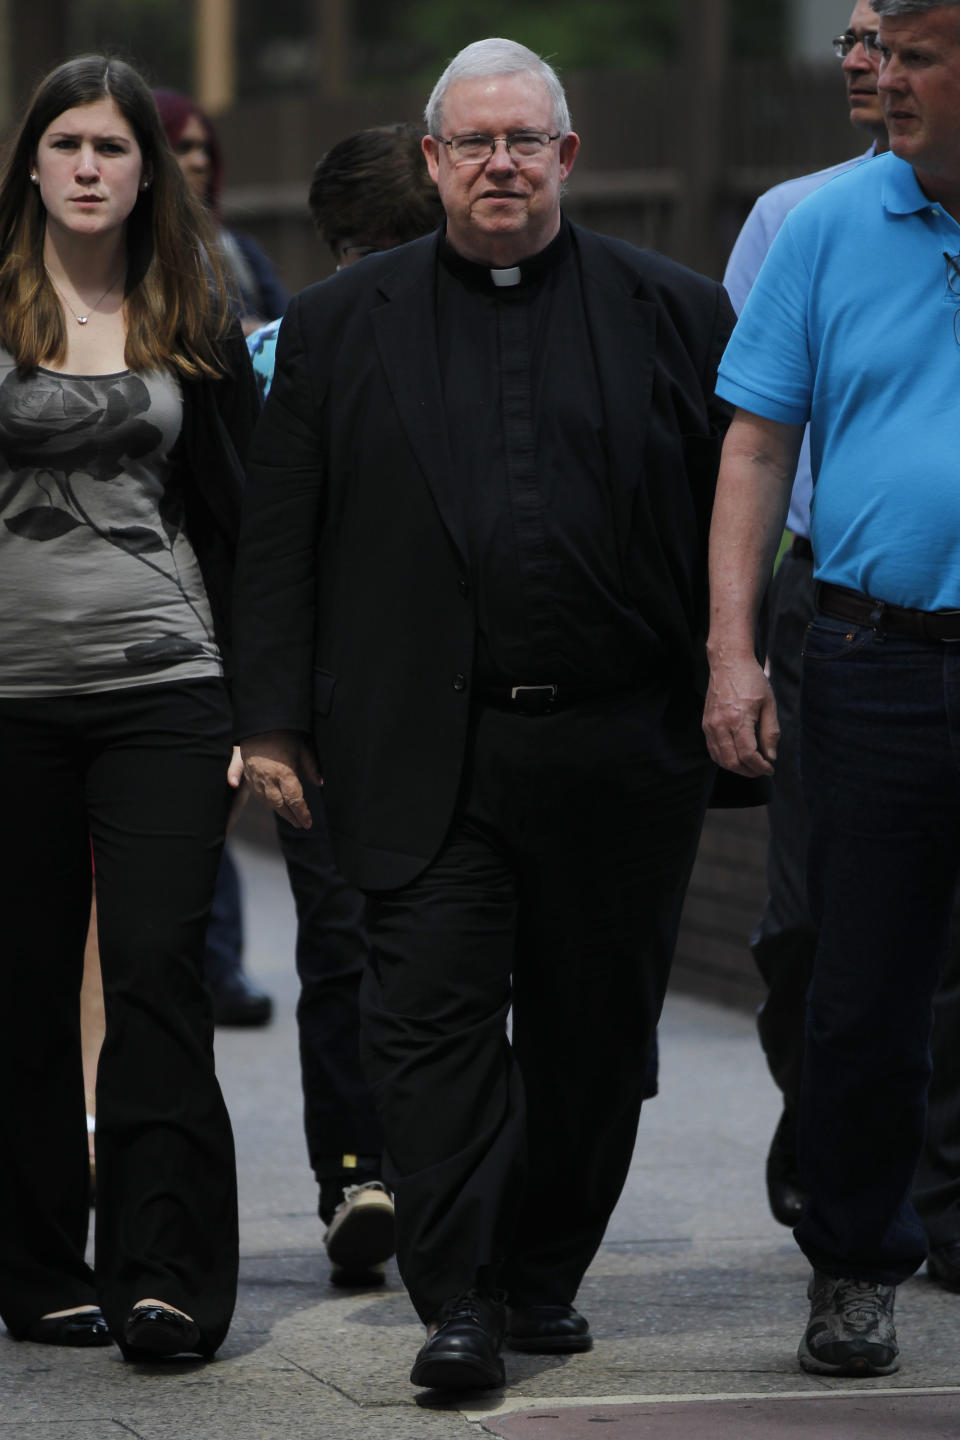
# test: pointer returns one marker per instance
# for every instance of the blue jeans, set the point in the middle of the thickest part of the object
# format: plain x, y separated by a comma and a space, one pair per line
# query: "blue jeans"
881, 775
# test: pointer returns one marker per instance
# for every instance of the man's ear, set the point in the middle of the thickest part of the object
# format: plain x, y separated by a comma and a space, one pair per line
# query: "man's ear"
431, 151
569, 145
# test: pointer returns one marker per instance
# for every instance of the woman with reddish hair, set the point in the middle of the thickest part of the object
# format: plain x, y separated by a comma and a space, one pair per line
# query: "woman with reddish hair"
256, 289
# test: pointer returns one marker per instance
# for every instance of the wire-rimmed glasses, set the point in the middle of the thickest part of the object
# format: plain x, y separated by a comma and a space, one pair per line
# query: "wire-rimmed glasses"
524, 146
843, 44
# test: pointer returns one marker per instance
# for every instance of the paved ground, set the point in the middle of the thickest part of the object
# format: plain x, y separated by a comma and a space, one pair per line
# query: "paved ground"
696, 1298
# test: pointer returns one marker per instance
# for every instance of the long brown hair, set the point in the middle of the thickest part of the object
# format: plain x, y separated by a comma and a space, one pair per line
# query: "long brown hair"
175, 298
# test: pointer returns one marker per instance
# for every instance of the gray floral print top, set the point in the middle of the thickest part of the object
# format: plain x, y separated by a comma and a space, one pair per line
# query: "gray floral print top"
99, 586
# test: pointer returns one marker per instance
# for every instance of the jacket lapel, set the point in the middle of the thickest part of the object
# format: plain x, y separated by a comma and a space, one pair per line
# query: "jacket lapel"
404, 326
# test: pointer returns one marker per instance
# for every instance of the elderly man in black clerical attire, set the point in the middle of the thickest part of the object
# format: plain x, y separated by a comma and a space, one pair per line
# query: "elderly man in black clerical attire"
471, 591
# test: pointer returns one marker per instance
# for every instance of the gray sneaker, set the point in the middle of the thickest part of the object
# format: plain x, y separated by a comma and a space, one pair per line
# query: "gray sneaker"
360, 1237
850, 1330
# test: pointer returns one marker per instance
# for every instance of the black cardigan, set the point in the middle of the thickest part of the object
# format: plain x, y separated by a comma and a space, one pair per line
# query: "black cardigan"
218, 420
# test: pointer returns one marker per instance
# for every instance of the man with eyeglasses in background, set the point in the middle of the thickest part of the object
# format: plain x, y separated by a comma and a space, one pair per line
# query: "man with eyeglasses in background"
473, 565
785, 940
852, 324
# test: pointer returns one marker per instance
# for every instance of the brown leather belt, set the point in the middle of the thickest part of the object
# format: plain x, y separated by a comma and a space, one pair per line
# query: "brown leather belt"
843, 604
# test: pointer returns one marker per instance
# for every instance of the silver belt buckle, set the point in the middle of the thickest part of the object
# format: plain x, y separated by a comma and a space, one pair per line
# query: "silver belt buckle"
518, 690
950, 639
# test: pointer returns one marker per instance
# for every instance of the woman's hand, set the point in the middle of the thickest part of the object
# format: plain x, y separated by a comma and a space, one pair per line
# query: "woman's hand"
235, 779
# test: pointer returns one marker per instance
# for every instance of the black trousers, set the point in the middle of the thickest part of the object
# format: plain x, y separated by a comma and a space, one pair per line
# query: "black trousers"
142, 774
332, 947
564, 871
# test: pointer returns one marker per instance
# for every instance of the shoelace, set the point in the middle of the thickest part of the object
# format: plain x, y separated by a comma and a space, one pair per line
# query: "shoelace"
351, 1191
465, 1307
861, 1303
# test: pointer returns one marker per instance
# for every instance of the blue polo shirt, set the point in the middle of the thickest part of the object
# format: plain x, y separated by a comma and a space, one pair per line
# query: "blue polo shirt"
851, 324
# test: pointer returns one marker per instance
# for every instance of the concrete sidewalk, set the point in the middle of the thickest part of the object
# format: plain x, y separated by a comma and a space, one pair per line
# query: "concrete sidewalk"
696, 1298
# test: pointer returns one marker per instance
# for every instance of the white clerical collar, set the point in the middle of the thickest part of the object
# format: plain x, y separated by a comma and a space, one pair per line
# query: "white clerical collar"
508, 276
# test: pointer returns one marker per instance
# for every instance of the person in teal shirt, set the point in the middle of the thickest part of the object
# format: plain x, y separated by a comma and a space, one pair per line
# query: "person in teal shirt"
371, 191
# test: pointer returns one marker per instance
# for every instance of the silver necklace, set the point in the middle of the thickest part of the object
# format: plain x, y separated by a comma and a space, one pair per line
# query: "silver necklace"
80, 319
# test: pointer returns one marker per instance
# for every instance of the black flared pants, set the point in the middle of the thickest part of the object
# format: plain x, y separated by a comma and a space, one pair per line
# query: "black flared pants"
140, 774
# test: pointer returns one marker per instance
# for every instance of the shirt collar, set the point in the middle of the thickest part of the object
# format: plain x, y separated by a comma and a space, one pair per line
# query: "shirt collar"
502, 281
901, 188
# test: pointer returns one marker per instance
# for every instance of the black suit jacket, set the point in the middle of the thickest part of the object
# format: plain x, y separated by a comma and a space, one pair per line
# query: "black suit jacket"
354, 616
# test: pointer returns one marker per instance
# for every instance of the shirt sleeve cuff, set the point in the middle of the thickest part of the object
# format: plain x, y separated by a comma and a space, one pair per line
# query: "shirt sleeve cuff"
746, 399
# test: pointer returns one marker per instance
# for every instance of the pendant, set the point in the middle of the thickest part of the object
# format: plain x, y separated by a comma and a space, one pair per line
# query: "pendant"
82, 319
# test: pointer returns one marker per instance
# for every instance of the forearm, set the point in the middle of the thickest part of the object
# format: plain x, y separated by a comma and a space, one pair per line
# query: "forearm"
749, 514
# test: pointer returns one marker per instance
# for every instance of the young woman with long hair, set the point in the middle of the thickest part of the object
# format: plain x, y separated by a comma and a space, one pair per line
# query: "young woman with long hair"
126, 402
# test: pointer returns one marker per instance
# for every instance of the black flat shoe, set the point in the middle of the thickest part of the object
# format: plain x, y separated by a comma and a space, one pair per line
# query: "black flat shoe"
85, 1327
154, 1332
548, 1330
463, 1346
237, 1001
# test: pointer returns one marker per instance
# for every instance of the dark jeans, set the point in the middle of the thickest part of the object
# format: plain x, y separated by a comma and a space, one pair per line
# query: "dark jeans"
564, 870
143, 773
881, 730
332, 947
785, 940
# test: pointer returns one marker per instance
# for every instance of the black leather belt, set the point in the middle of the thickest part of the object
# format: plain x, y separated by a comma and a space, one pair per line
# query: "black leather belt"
843, 604
544, 699
801, 547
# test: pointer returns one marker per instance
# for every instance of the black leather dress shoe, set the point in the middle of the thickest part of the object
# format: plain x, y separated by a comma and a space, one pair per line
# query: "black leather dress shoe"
785, 1191
943, 1265
463, 1345
154, 1332
238, 1002
84, 1327
548, 1330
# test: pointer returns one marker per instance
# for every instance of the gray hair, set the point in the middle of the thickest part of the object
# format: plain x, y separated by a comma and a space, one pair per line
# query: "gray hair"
497, 57
910, 7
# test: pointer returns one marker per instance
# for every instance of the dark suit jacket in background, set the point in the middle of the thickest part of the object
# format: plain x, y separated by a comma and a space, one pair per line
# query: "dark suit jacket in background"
354, 616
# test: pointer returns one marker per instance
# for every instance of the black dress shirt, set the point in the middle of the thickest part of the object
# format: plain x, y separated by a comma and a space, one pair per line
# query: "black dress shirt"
526, 429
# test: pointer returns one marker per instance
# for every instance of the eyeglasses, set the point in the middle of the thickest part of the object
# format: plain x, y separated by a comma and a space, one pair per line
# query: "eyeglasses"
843, 44
348, 252
953, 285
523, 146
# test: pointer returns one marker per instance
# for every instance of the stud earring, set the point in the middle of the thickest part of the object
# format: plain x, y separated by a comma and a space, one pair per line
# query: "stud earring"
34, 177
144, 184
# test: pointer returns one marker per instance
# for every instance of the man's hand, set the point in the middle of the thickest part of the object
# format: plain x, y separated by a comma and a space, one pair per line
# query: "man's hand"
753, 489
740, 716
273, 763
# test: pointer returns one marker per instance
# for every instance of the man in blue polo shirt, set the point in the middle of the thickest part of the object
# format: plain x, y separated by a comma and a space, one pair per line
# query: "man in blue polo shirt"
854, 323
